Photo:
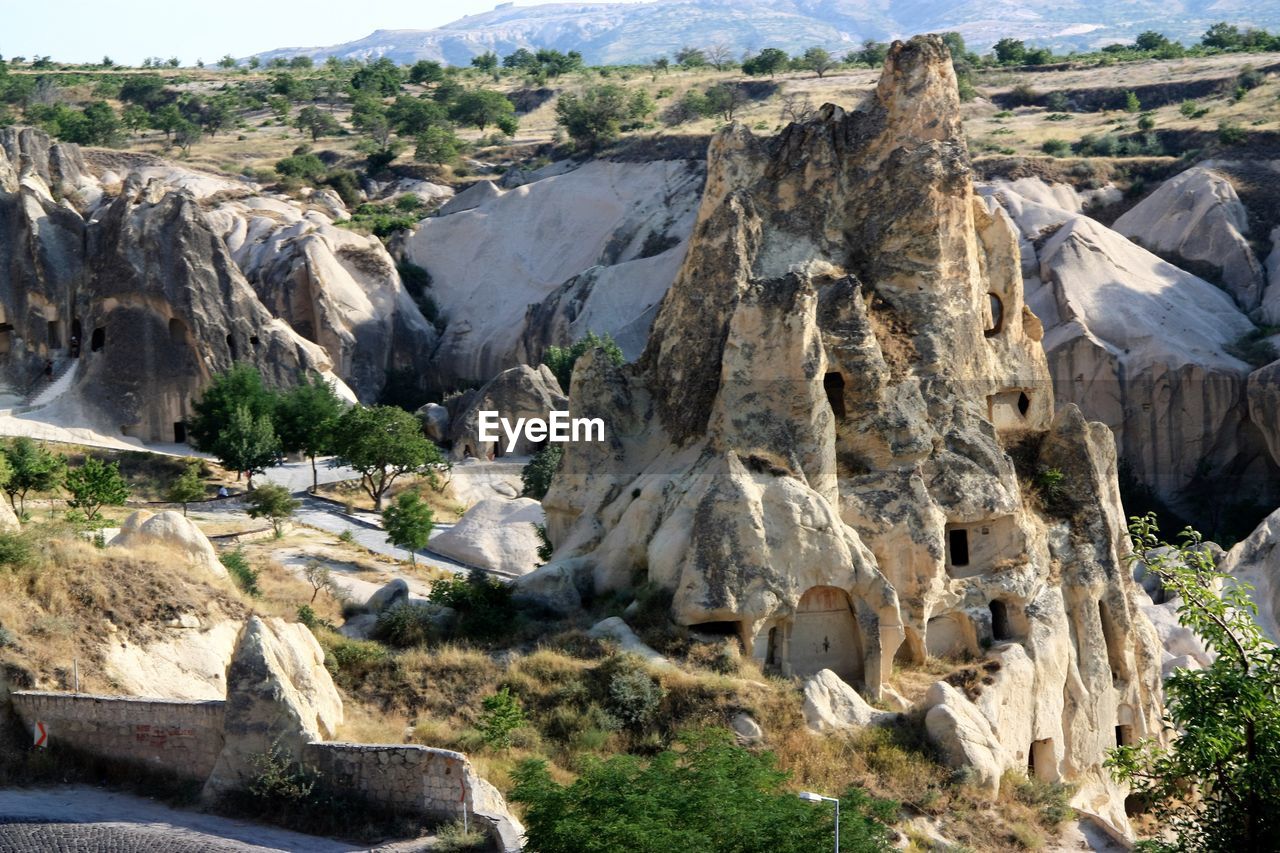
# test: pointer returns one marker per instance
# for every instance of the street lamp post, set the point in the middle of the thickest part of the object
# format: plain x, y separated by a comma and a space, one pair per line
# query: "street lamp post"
810, 797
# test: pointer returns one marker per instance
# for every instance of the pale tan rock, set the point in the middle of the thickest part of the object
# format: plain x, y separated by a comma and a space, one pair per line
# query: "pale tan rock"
8, 518
620, 632
1256, 561
519, 392
279, 696
172, 530
496, 533
963, 735
832, 705
182, 664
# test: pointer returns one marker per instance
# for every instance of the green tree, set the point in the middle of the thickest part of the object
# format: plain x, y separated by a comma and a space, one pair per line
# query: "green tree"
955, 45
522, 59
691, 57
426, 71
437, 145
486, 62
872, 54
1131, 102
135, 118
599, 114
34, 469
537, 473
1010, 51
316, 122
187, 488
96, 484
483, 107
241, 385
307, 417
272, 502
408, 523
227, 61
381, 78
1228, 714
769, 61
248, 443
562, 359
501, 716
817, 60
710, 796
412, 116
383, 443
1150, 41
1222, 35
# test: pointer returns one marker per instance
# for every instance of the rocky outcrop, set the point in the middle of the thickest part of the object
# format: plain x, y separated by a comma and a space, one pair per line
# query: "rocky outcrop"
519, 392
171, 531
832, 705
1263, 394
831, 444
1143, 346
1256, 561
279, 697
1196, 220
491, 263
497, 534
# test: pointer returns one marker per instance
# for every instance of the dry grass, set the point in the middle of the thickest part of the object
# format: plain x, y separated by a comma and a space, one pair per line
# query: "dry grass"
444, 504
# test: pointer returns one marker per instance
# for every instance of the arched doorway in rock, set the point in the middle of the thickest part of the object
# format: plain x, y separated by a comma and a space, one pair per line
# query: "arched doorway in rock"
997, 316
833, 385
824, 635
99, 340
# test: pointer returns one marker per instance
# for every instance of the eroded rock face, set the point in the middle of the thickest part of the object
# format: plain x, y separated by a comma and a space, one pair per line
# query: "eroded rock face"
496, 533
538, 248
518, 392
1142, 346
1256, 561
173, 531
1196, 219
279, 695
817, 449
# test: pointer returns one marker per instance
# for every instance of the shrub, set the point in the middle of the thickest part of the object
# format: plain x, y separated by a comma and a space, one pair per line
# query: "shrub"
1146, 121
405, 625
1056, 102
1254, 348
502, 715
482, 603
627, 691
537, 474
1230, 133
245, 576
1023, 95
274, 503
350, 661
456, 837
1056, 147
562, 359
1131, 102
1051, 799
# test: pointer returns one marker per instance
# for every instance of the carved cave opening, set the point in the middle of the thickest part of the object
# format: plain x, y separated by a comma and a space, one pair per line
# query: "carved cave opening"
997, 316
824, 635
833, 385
99, 340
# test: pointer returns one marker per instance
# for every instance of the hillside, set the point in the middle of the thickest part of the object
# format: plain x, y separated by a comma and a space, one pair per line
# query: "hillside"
635, 33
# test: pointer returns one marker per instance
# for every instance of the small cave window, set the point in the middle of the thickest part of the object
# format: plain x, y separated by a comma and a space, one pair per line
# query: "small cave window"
833, 384
179, 432
1001, 629
958, 546
98, 340
771, 655
1124, 736
1113, 639
1040, 760
997, 316
253, 341
1024, 403
231, 345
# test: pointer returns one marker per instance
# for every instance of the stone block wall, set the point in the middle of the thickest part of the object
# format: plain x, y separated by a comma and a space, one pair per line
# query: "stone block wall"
180, 737
419, 779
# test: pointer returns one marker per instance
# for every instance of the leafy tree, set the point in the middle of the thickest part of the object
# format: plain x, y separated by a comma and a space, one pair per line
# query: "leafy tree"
437, 144
1131, 102
33, 469
383, 443
426, 71
724, 99
307, 417
381, 77
691, 57
1228, 713
96, 484
486, 62
554, 63
241, 385
710, 796
412, 116
522, 59
769, 61
135, 118
307, 166
483, 604
483, 107
187, 488
562, 359
1150, 41
817, 60
272, 502
316, 122
301, 63
248, 443
369, 115
1038, 56
598, 115
408, 523
1010, 51
539, 470
227, 61
872, 54
1222, 35
955, 45
501, 716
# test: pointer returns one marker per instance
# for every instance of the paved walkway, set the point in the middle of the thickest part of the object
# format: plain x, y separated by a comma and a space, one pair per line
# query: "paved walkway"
81, 818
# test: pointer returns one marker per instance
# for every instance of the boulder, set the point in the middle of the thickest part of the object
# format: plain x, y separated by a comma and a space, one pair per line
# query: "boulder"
520, 392
556, 588
747, 729
394, 592
172, 531
472, 197
831, 705
513, 243
620, 632
435, 420
8, 518
1196, 220
963, 736
279, 697
497, 533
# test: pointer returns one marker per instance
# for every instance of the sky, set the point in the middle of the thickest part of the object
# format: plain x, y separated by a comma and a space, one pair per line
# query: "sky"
130, 30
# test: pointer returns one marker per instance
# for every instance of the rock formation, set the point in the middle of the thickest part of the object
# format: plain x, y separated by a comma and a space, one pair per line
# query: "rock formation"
1256, 561
519, 392
1143, 346
600, 244
171, 530
840, 443
279, 696
497, 533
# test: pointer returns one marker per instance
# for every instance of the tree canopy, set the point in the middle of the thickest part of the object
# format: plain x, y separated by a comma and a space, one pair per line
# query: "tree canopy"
383, 443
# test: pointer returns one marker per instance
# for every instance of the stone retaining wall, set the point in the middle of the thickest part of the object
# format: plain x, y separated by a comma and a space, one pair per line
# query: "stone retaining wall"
180, 737
420, 779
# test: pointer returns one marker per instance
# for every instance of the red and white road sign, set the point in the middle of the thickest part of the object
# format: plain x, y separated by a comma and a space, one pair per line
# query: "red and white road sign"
42, 735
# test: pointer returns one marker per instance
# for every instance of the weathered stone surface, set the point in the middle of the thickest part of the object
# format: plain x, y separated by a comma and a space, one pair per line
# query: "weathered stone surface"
963, 735
435, 421
519, 392
816, 450
279, 696
1256, 561
1196, 220
8, 518
394, 592
746, 728
831, 705
172, 531
620, 632
1263, 391
1142, 346
496, 533
489, 263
